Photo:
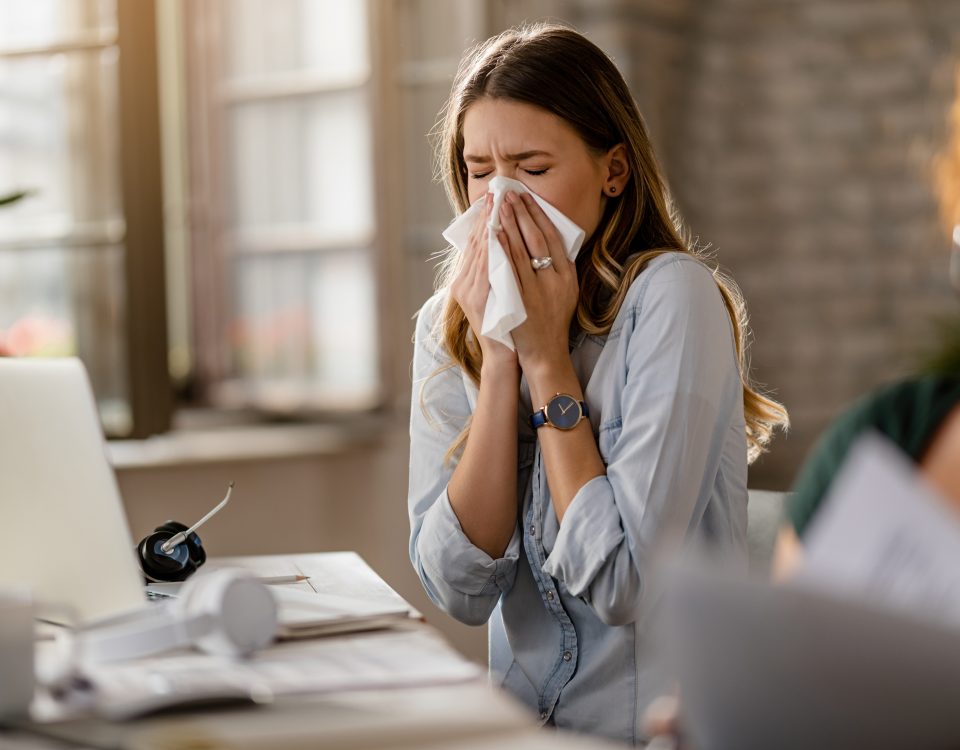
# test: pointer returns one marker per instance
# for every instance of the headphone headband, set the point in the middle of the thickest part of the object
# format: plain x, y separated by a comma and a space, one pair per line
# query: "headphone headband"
226, 611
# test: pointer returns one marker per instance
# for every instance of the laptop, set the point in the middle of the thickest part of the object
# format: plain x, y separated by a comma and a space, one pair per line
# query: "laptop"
64, 532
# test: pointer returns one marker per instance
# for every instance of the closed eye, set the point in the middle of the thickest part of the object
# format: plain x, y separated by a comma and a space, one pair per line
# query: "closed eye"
535, 172
479, 176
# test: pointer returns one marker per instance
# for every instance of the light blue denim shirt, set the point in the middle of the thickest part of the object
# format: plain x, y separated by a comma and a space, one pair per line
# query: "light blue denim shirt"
568, 603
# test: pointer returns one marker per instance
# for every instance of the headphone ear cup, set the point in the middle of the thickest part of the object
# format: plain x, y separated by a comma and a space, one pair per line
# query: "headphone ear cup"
229, 612
158, 565
176, 565
198, 555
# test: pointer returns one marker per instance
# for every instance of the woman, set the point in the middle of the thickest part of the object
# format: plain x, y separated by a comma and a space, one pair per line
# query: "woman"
542, 479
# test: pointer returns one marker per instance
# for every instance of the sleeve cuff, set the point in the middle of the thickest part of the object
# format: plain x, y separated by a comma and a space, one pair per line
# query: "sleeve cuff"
589, 533
448, 555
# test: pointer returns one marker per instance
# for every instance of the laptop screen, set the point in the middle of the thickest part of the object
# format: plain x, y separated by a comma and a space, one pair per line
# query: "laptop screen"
65, 535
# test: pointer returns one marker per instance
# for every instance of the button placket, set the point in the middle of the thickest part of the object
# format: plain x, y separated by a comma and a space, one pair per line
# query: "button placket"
565, 666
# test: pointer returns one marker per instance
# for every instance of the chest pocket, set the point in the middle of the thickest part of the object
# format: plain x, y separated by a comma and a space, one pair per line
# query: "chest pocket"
608, 438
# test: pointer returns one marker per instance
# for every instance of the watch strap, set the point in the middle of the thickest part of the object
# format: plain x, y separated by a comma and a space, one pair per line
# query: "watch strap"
538, 419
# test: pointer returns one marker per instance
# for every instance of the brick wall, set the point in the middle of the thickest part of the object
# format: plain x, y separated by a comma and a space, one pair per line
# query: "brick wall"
796, 135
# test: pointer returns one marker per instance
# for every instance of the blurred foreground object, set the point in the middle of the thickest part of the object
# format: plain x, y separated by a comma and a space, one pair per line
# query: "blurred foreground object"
861, 648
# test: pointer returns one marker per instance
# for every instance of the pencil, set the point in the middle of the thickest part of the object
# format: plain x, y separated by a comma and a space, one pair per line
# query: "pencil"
283, 579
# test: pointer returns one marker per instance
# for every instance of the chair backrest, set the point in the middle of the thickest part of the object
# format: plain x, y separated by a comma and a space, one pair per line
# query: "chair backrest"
764, 515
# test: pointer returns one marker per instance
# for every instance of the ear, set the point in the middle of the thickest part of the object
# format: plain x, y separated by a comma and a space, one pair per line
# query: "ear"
617, 170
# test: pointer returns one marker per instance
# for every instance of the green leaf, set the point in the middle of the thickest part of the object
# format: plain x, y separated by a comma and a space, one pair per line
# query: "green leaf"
13, 197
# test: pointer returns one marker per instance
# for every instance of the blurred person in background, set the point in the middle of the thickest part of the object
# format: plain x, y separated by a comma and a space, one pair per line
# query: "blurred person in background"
920, 415
546, 531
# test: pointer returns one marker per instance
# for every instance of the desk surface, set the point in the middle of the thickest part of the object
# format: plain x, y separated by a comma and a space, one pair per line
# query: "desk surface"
463, 714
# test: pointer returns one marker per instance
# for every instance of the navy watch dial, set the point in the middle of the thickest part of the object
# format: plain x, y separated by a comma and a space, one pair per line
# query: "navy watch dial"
563, 412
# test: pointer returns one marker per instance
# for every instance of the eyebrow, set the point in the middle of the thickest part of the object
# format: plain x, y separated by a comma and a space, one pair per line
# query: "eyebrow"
509, 157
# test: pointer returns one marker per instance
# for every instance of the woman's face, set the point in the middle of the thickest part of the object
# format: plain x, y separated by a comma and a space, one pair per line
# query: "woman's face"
518, 140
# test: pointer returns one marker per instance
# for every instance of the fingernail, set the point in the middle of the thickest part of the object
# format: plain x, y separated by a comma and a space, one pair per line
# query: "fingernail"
506, 209
511, 196
527, 198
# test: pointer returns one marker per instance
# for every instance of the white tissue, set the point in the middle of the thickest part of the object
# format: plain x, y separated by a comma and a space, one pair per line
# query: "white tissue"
504, 310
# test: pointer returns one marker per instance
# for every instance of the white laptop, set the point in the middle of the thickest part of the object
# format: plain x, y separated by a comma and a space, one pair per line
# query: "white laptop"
64, 533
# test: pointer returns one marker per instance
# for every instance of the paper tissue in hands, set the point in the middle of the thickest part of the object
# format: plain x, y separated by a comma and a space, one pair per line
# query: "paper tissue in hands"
504, 310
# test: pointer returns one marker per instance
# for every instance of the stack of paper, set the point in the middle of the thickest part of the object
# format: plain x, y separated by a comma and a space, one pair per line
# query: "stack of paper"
341, 594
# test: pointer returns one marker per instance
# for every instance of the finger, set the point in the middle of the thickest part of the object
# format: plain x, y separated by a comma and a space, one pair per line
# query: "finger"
512, 257
480, 225
483, 263
549, 231
475, 240
508, 221
515, 246
533, 238
481, 274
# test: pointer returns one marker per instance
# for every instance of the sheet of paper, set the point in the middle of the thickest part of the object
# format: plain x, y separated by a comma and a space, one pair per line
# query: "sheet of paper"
883, 534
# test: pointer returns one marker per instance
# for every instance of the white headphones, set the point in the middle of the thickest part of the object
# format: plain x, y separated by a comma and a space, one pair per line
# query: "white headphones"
226, 612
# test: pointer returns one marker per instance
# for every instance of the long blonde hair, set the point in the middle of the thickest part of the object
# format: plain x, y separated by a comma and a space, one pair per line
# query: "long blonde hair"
557, 69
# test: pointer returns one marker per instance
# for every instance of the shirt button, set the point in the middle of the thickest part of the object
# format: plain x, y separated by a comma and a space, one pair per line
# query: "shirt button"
567, 656
550, 596
543, 715
533, 530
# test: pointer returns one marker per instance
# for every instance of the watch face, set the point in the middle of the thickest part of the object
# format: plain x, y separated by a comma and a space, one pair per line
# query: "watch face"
563, 412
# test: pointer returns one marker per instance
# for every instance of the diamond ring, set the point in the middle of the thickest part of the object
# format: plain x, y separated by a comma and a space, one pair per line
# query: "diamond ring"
540, 263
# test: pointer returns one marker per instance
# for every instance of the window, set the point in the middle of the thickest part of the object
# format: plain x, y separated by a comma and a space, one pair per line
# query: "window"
267, 199
62, 247
283, 215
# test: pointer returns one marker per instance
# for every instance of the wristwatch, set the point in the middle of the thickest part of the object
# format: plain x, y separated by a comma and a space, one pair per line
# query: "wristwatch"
563, 411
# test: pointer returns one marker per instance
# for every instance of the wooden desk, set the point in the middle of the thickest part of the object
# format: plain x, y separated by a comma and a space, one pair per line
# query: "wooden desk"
466, 715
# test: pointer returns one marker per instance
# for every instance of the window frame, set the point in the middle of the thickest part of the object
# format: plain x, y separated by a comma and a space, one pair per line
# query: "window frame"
207, 100
141, 181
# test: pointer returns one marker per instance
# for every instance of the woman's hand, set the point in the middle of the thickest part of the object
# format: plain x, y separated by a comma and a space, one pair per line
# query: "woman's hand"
471, 286
549, 295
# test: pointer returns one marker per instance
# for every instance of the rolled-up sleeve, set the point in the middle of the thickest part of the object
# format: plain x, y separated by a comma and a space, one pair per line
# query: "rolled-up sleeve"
459, 577
679, 398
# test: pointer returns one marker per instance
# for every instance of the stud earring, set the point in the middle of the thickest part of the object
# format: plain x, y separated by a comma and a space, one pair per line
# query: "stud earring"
613, 189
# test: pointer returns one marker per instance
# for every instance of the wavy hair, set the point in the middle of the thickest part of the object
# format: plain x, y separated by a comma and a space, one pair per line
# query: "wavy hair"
558, 70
